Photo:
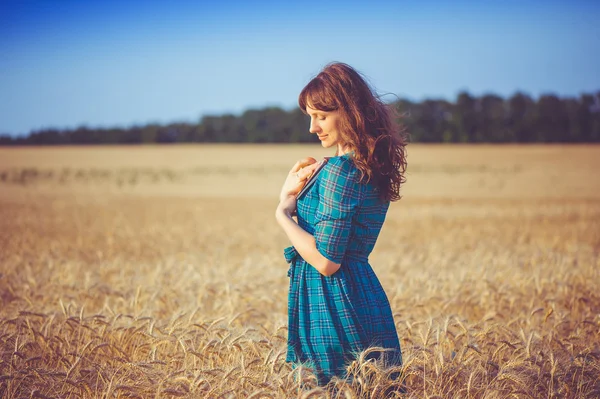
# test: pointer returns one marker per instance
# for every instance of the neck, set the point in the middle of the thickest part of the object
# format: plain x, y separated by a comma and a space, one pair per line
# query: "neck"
342, 150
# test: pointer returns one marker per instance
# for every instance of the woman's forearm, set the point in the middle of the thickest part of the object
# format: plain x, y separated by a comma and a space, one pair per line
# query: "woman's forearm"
305, 244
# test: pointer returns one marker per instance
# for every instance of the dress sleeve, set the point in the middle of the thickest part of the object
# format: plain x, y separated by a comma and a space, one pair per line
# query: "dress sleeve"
340, 195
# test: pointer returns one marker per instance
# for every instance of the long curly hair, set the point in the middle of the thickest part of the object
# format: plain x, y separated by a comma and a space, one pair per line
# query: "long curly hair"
368, 126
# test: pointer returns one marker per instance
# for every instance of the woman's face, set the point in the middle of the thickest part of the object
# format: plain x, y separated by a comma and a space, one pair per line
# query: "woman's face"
325, 125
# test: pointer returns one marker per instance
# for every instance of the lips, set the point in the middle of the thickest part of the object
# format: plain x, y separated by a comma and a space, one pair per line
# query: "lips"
323, 137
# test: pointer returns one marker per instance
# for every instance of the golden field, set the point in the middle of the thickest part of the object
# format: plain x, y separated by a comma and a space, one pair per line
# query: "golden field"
158, 272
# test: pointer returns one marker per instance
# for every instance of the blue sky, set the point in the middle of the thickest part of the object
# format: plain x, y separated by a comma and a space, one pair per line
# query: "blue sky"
107, 63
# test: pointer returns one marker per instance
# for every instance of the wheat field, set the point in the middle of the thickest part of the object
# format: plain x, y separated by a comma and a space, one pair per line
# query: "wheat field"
158, 272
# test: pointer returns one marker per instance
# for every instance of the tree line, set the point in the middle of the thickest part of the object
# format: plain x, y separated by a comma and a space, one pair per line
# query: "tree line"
469, 119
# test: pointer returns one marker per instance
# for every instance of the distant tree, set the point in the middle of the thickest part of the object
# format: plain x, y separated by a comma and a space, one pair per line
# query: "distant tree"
521, 112
254, 126
277, 126
149, 133
173, 133
112, 136
209, 125
594, 134
552, 120
133, 135
489, 118
466, 118
404, 113
48, 137
493, 120
433, 121
6, 139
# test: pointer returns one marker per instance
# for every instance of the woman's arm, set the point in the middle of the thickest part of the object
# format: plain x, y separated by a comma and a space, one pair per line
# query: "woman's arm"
303, 241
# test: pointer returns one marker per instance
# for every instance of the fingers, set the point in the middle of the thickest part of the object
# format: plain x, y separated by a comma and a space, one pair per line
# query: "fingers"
302, 174
302, 163
305, 172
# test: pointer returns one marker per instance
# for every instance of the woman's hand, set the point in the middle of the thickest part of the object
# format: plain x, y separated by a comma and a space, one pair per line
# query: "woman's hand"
286, 207
296, 178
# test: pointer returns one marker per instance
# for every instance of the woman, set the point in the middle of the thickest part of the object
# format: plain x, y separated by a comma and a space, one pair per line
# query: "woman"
337, 307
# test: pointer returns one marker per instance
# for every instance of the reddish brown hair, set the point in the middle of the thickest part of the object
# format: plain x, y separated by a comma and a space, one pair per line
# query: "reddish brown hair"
368, 126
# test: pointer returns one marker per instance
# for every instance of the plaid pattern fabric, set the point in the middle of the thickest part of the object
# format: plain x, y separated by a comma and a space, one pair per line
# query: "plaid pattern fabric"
332, 319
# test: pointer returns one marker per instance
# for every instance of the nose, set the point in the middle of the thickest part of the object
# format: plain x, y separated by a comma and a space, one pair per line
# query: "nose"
314, 126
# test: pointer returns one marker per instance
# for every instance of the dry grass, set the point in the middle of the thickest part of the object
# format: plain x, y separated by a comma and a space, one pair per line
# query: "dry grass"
158, 272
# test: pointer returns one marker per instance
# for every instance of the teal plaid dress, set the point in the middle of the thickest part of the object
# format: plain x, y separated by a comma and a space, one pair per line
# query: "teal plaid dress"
333, 318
